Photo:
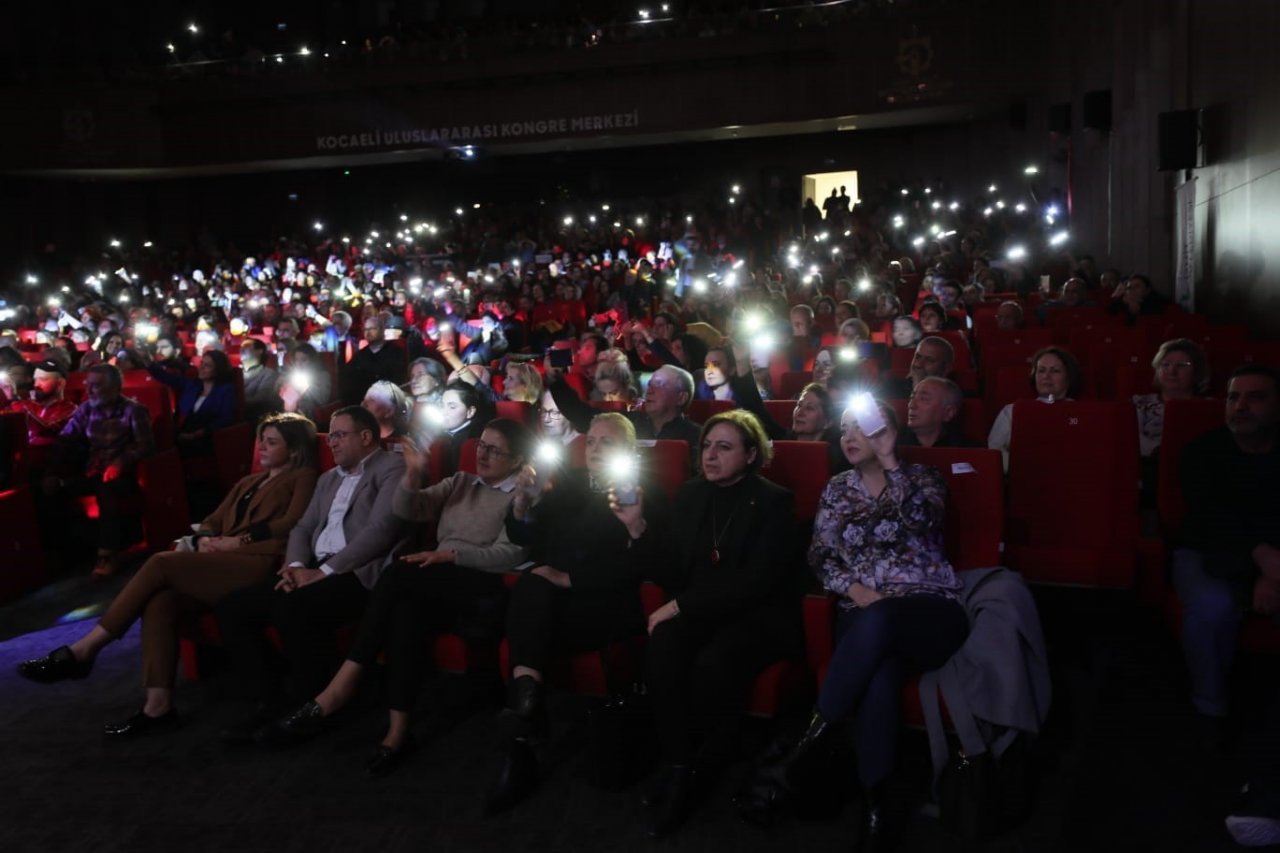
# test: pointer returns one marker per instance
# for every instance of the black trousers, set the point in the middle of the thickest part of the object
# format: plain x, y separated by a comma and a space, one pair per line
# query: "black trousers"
410, 604
307, 619
544, 619
118, 507
700, 673
877, 649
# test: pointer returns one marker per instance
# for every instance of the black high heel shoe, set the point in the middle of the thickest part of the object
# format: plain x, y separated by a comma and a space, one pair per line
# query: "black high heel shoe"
59, 665
387, 759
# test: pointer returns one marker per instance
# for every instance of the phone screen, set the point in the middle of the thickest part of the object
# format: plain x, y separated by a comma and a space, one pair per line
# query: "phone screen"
865, 411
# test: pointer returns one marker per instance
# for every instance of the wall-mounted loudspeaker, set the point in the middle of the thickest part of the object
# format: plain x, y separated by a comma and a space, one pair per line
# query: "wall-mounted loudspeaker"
1179, 139
1060, 118
1097, 110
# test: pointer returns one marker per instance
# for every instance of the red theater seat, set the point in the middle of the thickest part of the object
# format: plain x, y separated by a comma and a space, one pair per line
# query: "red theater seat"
22, 566
1073, 493
700, 410
975, 502
1184, 421
803, 467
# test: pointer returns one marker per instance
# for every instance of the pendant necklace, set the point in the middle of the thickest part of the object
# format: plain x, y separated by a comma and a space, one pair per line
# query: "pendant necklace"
716, 537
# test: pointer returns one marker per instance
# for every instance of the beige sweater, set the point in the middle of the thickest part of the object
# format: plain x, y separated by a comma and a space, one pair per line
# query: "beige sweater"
470, 518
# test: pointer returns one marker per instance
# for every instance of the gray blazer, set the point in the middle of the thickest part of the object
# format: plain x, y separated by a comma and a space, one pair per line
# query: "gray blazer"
375, 535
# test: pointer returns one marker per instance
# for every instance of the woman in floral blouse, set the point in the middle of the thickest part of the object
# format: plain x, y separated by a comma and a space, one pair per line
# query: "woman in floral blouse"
878, 544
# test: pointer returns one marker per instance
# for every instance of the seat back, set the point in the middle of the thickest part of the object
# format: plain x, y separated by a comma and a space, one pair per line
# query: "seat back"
793, 382
515, 410
1184, 421
1073, 492
803, 467
233, 451
975, 502
1065, 322
667, 462
164, 499
781, 411
700, 410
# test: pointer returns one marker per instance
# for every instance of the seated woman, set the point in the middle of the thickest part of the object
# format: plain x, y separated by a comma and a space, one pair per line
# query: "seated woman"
386, 402
812, 419
582, 595
563, 414
854, 331
455, 586
613, 381
239, 545
426, 380
717, 372
307, 385
1181, 371
205, 403
522, 383
1055, 376
463, 414
878, 544
727, 561
906, 331
934, 319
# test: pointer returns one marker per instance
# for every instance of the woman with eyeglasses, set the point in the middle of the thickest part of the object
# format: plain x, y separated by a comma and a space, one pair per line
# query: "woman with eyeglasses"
1181, 372
562, 413
454, 586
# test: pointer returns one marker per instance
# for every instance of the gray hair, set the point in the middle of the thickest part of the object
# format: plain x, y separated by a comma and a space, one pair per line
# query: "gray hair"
678, 374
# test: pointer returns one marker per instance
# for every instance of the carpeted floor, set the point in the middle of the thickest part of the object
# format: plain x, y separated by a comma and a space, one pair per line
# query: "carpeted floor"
1121, 767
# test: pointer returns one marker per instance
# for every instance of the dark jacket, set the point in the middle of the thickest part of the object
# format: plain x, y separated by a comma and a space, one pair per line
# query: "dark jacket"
757, 569
573, 530
367, 367
747, 396
949, 437
217, 411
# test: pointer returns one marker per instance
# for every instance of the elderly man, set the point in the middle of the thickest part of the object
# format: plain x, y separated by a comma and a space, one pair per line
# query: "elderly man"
1009, 316
931, 416
662, 416
1074, 294
1229, 555
934, 357
97, 454
46, 410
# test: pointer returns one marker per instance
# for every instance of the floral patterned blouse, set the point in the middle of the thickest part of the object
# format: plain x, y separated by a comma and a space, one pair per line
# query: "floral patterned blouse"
892, 544
1150, 409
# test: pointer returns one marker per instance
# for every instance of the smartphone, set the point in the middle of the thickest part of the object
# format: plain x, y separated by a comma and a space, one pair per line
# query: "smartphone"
622, 469
865, 411
561, 358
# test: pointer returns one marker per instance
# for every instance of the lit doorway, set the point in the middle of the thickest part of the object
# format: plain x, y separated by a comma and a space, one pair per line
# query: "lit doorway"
818, 186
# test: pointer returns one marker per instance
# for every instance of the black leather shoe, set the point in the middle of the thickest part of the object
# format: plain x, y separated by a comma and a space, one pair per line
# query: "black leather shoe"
517, 778
525, 715
681, 800
140, 725
299, 726
387, 760
59, 665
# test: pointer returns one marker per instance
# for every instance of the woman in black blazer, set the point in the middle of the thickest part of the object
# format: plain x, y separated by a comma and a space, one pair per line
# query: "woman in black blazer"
729, 563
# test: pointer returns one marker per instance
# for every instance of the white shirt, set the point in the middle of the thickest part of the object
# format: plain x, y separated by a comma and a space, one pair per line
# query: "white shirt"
333, 538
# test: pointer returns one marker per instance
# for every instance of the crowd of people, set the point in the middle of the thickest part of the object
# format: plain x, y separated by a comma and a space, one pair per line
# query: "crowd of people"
398, 348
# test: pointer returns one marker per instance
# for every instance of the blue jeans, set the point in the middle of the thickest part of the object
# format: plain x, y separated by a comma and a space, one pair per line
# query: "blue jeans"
1211, 614
877, 649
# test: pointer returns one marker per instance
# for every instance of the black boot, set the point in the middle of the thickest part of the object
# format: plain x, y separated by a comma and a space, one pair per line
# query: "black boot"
678, 802
770, 789
879, 826
525, 715
516, 779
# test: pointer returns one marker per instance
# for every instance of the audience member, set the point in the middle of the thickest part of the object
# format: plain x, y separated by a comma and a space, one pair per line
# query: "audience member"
1055, 376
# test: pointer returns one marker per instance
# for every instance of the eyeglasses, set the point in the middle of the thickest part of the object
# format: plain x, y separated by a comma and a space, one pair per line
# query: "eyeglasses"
552, 414
483, 449
341, 434
1175, 365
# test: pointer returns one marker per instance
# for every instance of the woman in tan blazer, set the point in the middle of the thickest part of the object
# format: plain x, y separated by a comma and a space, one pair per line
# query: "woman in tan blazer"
238, 545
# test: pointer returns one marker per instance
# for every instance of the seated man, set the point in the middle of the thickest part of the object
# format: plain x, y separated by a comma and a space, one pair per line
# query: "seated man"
1074, 294
662, 416
261, 381
1229, 560
934, 357
931, 416
1009, 316
97, 453
335, 555
47, 412
378, 360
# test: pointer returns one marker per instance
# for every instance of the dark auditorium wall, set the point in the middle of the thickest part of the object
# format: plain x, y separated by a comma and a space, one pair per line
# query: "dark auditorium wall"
1155, 56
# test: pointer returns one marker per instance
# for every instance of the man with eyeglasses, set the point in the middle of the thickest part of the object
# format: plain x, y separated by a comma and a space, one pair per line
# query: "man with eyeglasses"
336, 554
1228, 559
934, 356
661, 415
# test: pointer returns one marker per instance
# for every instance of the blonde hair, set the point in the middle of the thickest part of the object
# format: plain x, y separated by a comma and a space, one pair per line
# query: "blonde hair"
619, 422
530, 390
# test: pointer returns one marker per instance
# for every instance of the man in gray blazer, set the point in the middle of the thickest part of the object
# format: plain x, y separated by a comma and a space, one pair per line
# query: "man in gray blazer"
336, 553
